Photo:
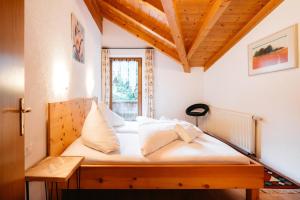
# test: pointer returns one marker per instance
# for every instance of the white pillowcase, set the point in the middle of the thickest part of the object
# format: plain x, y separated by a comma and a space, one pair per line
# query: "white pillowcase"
112, 118
154, 136
142, 119
97, 134
187, 132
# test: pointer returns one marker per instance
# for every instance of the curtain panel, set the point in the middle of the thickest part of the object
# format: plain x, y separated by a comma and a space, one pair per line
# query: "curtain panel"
149, 92
105, 77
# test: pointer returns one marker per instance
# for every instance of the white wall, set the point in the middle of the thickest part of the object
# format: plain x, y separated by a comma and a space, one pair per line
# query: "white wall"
274, 96
174, 90
50, 72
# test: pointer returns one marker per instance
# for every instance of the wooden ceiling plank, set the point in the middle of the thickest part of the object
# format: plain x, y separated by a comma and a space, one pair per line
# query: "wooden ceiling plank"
132, 26
267, 9
144, 18
91, 5
155, 3
161, 38
174, 24
211, 18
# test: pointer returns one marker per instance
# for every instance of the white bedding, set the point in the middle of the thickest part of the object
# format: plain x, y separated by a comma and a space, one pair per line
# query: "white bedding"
128, 127
204, 150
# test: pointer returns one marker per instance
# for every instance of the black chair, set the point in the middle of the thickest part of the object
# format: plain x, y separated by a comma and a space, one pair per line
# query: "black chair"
197, 110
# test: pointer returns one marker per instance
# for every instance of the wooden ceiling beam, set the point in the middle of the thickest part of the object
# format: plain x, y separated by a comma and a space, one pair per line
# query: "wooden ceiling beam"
129, 24
174, 24
210, 19
267, 9
92, 6
156, 26
155, 3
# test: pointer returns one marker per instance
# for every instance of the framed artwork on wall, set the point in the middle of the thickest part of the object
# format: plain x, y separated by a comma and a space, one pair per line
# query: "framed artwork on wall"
77, 39
275, 52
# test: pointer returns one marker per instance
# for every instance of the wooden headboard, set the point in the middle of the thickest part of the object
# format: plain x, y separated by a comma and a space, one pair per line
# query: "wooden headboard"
65, 121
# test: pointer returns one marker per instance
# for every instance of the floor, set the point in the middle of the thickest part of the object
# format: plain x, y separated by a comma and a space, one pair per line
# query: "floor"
174, 195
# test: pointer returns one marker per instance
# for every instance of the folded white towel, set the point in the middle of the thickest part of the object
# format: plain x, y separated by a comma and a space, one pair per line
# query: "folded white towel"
187, 132
155, 135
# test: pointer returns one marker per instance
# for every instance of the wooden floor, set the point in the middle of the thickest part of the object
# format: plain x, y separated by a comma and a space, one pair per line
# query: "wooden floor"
172, 195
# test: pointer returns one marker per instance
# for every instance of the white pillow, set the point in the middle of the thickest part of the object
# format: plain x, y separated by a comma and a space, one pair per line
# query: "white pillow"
187, 132
154, 136
97, 134
164, 118
112, 118
144, 118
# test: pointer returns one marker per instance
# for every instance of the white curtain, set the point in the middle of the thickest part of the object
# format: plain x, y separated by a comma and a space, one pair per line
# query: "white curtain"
149, 93
127, 70
105, 89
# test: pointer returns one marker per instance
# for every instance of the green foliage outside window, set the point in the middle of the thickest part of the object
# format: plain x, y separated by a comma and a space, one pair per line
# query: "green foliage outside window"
122, 91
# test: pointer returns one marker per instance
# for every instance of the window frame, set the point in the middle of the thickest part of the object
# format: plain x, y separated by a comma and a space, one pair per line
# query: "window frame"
140, 79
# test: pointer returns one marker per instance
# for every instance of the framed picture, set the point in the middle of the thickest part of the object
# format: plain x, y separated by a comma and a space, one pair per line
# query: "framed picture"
77, 39
276, 52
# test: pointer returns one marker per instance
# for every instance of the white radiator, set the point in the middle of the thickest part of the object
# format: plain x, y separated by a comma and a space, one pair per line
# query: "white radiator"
234, 127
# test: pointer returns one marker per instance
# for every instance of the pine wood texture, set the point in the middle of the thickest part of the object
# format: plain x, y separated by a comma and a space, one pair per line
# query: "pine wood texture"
174, 24
194, 33
65, 121
209, 21
252, 194
94, 10
54, 169
148, 16
138, 29
227, 194
258, 17
124, 176
156, 3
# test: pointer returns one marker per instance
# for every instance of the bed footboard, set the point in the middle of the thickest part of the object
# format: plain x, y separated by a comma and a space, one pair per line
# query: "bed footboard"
249, 177
172, 176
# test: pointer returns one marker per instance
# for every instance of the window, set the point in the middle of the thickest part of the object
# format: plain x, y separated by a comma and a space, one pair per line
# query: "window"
126, 87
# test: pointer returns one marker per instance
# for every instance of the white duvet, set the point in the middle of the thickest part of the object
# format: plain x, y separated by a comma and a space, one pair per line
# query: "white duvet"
156, 134
203, 150
128, 127
153, 136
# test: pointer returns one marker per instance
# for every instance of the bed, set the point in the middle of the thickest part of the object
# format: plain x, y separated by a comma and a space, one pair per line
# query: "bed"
206, 164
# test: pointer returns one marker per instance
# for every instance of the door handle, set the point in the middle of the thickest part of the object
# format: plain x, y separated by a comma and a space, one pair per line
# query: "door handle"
22, 112
26, 110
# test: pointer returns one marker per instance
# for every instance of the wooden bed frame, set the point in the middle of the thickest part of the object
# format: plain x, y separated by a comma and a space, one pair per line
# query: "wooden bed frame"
65, 121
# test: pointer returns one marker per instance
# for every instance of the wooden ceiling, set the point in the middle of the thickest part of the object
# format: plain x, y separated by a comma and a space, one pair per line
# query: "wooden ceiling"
195, 33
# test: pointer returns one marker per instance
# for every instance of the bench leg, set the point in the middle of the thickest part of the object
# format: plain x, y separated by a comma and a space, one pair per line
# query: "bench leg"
27, 190
252, 194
